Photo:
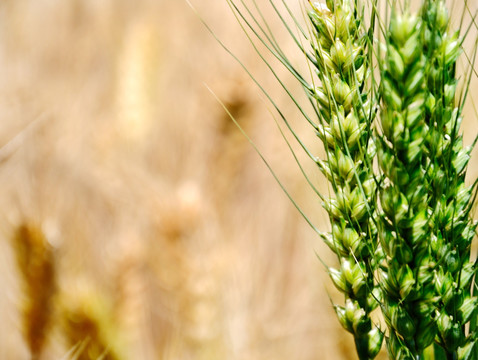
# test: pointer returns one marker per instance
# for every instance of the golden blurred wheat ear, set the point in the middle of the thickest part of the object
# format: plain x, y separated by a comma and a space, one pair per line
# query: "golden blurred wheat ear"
36, 265
88, 324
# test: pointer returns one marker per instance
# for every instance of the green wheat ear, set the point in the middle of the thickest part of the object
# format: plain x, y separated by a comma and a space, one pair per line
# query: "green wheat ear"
450, 199
345, 108
402, 233
409, 299
426, 228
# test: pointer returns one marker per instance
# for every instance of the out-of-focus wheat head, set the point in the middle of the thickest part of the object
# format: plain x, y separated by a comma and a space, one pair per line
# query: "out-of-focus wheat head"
36, 266
137, 69
88, 325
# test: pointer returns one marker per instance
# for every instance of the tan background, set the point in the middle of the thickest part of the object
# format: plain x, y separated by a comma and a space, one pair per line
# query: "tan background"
151, 197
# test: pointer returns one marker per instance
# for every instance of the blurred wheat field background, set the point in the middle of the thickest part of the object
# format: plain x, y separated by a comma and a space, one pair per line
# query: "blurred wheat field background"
156, 231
